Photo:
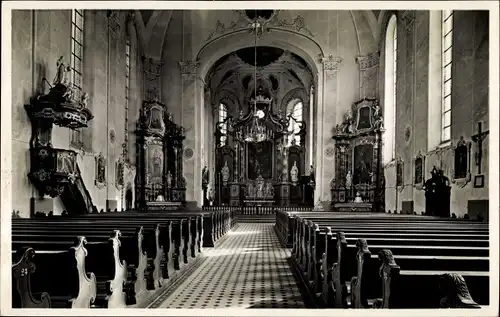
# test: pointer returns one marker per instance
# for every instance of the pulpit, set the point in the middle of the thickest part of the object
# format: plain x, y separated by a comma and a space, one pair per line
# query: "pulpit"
358, 182
160, 184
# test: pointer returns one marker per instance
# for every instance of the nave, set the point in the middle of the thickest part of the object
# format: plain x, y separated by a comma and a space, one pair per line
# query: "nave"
247, 269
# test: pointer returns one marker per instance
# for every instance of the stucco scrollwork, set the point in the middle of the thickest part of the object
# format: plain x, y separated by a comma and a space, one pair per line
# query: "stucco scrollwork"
243, 22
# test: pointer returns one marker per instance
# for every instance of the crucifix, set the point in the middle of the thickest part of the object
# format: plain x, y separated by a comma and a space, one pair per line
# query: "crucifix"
478, 139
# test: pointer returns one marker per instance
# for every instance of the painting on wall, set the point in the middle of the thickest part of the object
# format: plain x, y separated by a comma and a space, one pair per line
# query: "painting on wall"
419, 170
399, 172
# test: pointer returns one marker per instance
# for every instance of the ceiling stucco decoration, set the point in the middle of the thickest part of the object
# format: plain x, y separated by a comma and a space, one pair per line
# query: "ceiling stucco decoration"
331, 63
369, 61
235, 65
188, 67
265, 25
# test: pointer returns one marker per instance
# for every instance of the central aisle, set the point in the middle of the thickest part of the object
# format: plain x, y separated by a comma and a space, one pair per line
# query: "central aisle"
247, 269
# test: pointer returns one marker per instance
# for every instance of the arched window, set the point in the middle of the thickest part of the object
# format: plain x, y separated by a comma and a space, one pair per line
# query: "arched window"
76, 65
295, 111
447, 45
223, 126
391, 53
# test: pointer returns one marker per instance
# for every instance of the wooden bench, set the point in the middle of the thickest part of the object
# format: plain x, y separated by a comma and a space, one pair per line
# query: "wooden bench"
153, 245
313, 245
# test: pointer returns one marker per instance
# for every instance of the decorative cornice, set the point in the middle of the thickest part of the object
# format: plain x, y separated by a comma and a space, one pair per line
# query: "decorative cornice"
189, 67
368, 61
331, 63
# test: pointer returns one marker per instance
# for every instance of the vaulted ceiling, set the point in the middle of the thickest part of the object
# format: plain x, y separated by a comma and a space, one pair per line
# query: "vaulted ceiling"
152, 26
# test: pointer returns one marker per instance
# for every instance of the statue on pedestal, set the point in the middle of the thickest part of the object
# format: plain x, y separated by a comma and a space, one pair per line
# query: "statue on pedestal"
348, 180
312, 176
225, 172
205, 177
294, 172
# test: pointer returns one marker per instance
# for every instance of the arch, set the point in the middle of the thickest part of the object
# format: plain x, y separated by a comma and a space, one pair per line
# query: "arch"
295, 42
296, 93
225, 95
382, 23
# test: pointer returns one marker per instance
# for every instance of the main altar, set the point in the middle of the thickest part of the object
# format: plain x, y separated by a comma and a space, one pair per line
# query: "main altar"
256, 163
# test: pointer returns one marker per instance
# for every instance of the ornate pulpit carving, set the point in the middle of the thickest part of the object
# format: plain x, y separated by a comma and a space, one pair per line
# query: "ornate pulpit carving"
357, 184
54, 170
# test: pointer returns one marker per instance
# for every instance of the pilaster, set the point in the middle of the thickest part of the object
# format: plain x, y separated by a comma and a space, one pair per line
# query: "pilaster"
191, 104
325, 117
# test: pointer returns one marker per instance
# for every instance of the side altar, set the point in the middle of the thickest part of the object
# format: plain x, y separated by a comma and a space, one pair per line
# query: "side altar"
160, 184
359, 177
258, 160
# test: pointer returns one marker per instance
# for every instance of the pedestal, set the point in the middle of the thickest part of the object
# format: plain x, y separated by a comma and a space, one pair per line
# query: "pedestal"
284, 194
234, 198
178, 194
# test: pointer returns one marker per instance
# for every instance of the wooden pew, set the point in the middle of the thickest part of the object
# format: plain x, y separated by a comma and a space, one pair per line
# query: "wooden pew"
193, 236
22, 270
115, 277
174, 232
305, 233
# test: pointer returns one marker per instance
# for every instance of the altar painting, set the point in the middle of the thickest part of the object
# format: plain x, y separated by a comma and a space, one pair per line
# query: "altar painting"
260, 160
155, 163
363, 162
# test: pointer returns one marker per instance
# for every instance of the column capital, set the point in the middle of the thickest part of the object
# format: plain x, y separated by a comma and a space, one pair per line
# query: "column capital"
368, 61
189, 67
331, 63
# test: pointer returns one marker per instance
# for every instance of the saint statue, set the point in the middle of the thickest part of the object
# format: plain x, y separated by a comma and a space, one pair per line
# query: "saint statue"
348, 180
225, 172
101, 169
205, 176
294, 172
311, 174
60, 77
169, 180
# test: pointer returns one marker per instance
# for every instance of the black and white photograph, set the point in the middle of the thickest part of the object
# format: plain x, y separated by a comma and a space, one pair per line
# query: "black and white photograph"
249, 158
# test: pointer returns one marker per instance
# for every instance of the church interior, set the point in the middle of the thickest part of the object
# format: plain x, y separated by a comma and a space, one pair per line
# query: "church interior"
236, 158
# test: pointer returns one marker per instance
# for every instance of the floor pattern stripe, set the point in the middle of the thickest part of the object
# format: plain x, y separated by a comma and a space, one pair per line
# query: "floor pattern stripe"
249, 269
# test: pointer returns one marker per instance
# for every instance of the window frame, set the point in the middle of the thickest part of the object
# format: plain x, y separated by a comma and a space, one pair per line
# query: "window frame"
446, 73
296, 114
222, 115
390, 94
76, 73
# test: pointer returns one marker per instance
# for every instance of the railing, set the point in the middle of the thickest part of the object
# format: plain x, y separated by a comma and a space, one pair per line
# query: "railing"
257, 210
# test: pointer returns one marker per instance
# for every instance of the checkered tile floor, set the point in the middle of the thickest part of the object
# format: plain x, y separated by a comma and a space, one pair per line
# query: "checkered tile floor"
248, 269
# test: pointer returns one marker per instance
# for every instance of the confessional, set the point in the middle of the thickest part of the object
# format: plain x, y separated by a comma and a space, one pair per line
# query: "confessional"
359, 177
